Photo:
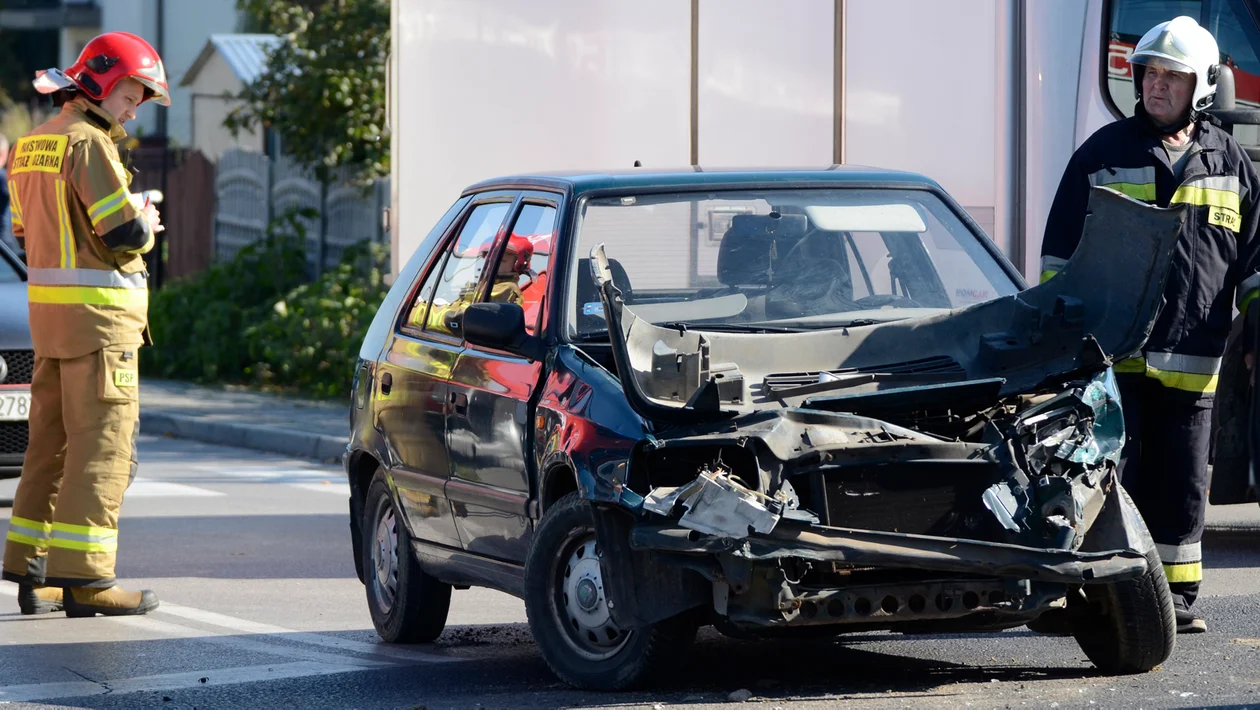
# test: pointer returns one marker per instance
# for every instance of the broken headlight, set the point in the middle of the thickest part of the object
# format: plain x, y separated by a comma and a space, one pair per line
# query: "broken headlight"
1062, 449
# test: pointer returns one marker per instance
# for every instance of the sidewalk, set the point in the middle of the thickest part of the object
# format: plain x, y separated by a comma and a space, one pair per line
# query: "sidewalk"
250, 420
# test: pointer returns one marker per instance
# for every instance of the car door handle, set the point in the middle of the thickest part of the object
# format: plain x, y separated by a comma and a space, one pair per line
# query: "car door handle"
387, 381
460, 401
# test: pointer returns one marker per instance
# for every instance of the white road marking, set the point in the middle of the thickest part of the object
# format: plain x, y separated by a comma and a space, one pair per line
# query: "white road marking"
171, 681
149, 488
320, 480
306, 637
271, 633
341, 489
241, 643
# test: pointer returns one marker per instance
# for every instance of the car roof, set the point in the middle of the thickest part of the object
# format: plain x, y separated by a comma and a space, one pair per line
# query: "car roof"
577, 181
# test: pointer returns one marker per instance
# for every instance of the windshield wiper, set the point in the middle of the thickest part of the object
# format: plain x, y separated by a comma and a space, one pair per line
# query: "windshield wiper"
683, 326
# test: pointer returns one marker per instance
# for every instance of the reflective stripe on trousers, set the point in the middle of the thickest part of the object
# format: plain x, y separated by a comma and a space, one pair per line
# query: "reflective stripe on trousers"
1182, 563
29, 532
84, 538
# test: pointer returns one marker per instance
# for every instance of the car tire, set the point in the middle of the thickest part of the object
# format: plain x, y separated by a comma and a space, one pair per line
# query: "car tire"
568, 615
1127, 627
406, 604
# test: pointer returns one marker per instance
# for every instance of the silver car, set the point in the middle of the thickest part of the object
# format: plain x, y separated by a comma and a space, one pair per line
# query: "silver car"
17, 361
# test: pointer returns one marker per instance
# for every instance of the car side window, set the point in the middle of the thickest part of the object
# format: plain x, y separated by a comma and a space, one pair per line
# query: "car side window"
420, 306
456, 288
521, 274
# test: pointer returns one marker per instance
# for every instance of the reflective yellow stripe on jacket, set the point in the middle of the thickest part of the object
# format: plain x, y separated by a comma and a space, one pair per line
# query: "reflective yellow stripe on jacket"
96, 287
15, 205
1190, 373
1138, 183
66, 234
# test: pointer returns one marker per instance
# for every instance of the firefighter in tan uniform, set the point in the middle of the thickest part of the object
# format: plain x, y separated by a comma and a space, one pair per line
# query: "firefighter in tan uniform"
84, 233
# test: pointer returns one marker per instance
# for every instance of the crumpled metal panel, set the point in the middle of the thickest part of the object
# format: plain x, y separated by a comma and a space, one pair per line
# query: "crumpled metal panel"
716, 505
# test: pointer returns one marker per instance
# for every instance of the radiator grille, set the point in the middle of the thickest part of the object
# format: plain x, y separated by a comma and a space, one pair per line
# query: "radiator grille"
13, 437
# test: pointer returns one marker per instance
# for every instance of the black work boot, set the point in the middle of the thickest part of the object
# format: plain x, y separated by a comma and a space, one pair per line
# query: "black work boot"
113, 601
38, 600
1189, 623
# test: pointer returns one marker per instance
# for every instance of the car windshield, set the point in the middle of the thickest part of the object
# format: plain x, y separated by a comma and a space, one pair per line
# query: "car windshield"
774, 260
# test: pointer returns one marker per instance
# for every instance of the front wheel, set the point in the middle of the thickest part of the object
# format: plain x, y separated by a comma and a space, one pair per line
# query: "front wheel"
1127, 627
406, 604
568, 610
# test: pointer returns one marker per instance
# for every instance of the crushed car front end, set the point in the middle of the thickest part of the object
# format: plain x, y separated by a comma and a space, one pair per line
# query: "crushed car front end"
823, 456
807, 517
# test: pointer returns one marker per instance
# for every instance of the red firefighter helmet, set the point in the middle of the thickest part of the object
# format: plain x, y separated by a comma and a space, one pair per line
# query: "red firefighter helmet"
114, 56
517, 255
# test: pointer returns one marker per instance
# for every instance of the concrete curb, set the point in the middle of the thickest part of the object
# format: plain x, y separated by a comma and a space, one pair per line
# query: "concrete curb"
277, 440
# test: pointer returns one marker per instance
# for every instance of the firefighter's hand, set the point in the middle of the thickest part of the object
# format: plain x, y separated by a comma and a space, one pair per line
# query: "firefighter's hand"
150, 213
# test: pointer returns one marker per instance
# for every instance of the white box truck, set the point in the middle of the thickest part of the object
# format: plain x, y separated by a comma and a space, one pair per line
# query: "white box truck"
987, 97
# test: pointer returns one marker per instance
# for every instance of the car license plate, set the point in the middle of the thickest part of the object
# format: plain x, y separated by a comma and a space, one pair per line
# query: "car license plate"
15, 406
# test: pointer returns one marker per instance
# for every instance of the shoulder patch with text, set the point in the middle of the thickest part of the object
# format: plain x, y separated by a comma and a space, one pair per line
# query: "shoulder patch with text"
40, 154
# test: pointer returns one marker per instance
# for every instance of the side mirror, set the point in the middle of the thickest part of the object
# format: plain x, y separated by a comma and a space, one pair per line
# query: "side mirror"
501, 326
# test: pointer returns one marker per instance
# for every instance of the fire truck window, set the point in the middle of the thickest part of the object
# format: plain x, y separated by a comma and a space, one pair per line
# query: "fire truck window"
1229, 22
521, 276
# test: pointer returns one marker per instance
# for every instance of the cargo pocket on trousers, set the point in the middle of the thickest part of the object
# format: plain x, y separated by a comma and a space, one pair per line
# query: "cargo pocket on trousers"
119, 374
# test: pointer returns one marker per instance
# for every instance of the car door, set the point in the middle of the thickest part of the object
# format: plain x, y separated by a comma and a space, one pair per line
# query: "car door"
492, 397
413, 385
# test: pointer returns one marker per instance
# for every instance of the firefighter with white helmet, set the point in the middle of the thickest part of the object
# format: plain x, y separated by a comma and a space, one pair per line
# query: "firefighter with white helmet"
1171, 153
85, 234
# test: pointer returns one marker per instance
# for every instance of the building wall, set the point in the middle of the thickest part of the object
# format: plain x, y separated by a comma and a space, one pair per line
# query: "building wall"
73, 39
188, 26
208, 110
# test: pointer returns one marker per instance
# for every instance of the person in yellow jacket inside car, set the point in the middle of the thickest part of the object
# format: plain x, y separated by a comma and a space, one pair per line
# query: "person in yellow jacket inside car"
84, 233
505, 288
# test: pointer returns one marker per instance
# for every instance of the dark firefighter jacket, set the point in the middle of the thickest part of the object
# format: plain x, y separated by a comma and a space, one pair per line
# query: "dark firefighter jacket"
1217, 260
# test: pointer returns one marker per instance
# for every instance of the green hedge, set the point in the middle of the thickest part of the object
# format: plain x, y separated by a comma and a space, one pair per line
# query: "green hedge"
254, 320
310, 339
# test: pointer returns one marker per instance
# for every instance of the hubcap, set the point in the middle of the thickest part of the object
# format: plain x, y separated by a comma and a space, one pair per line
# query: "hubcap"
385, 560
582, 605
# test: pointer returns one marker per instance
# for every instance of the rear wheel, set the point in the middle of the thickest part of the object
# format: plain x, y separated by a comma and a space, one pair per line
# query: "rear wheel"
1126, 627
569, 615
407, 605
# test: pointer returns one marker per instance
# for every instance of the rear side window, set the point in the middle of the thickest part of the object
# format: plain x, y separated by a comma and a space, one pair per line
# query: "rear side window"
452, 283
1229, 21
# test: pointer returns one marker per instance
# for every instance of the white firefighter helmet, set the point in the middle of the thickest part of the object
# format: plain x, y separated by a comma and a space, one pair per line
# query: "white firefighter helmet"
1182, 45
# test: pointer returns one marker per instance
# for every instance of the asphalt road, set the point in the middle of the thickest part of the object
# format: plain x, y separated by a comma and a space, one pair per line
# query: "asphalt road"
260, 608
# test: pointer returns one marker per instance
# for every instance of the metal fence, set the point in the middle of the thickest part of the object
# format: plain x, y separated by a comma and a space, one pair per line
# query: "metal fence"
252, 189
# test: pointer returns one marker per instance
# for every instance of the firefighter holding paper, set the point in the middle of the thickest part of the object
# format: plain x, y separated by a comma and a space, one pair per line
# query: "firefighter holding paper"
84, 233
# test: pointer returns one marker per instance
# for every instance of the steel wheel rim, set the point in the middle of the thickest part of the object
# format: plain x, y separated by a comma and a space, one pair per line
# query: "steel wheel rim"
579, 604
385, 560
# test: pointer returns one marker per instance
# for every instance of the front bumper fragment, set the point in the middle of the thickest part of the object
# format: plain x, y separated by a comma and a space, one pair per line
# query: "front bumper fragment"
882, 549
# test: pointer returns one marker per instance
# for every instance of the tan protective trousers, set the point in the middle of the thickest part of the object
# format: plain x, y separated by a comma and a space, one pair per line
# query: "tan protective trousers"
80, 461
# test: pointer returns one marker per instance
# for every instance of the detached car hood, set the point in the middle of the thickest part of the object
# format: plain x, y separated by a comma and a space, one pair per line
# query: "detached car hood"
15, 329
1099, 309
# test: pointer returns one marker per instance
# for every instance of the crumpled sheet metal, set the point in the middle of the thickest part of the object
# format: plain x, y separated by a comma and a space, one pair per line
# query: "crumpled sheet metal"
715, 505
